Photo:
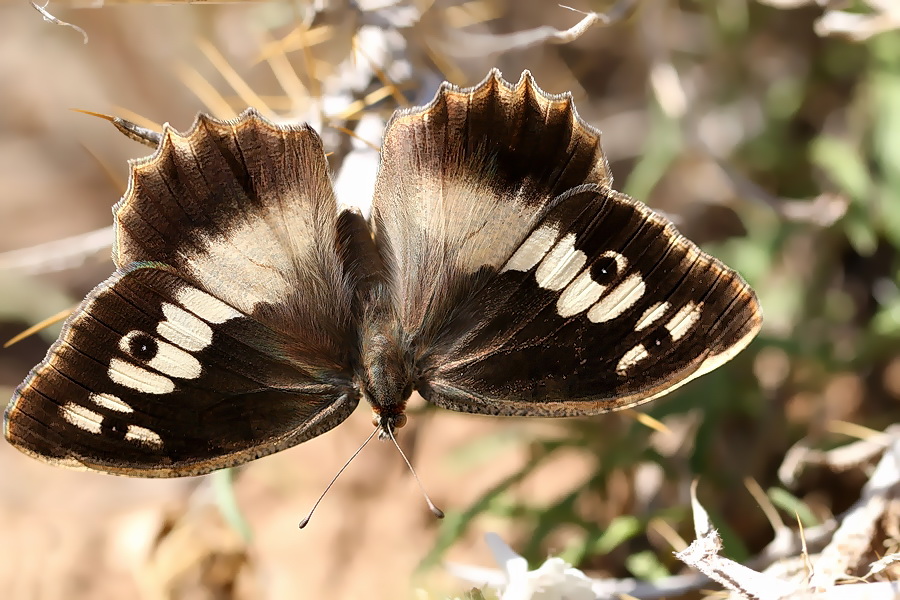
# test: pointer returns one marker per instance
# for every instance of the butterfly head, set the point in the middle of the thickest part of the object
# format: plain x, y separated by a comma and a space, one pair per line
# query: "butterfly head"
387, 424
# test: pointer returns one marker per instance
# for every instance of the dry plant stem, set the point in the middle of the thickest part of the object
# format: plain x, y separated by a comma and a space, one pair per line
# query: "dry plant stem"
844, 547
58, 255
133, 131
849, 545
61, 315
463, 44
240, 86
51, 19
703, 555
859, 527
787, 546
883, 563
669, 587
839, 459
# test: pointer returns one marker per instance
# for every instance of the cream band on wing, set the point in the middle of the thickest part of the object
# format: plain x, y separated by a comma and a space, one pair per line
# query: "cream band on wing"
621, 298
82, 418
580, 295
631, 358
136, 433
684, 320
560, 265
652, 315
207, 307
184, 329
111, 402
533, 249
138, 379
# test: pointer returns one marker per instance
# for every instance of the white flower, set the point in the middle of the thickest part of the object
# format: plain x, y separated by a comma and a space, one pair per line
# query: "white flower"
553, 580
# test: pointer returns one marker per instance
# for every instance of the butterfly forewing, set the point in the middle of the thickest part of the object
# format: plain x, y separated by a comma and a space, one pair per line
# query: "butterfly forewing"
604, 306
155, 377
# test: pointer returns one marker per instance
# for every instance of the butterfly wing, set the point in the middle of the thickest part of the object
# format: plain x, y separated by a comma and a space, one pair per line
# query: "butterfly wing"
603, 307
465, 180
535, 288
227, 332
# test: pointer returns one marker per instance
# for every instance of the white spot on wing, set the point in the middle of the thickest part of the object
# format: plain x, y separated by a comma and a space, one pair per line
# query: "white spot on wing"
579, 295
111, 402
136, 433
169, 359
138, 379
533, 249
207, 307
82, 418
184, 329
652, 315
621, 298
631, 358
684, 320
560, 265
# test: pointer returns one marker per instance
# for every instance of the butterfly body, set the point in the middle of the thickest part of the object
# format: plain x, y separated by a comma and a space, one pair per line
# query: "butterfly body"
499, 273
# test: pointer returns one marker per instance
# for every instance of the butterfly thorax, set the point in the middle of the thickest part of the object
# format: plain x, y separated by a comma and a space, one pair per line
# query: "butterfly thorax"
387, 380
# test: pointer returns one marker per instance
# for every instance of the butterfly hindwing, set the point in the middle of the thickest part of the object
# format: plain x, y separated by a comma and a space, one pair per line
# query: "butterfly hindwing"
246, 209
155, 377
463, 181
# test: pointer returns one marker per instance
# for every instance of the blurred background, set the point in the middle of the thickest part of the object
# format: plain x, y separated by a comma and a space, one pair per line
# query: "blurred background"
768, 130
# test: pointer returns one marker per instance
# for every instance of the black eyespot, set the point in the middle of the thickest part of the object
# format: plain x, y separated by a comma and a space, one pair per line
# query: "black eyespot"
114, 427
605, 270
142, 346
658, 340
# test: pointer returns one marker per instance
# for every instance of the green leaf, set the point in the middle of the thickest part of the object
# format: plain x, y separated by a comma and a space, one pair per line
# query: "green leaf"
646, 566
887, 320
662, 147
223, 486
843, 164
792, 505
620, 530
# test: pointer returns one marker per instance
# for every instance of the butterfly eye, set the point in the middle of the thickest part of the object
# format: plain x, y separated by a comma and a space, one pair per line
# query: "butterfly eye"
396, 422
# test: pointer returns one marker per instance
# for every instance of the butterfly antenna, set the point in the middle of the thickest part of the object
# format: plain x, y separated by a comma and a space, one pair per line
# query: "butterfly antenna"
305, 521
431, 505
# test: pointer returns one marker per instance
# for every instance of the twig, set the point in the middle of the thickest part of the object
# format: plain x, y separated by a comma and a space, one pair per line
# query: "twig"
51, 19
58, 255
463, 44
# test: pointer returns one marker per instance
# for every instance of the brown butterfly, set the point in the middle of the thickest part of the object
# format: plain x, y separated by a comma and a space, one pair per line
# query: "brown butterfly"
499, 273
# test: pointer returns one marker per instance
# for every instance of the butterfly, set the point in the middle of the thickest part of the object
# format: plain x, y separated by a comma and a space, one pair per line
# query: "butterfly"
498, 273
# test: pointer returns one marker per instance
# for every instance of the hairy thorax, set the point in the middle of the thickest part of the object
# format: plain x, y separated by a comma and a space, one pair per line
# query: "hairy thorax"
387, 381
